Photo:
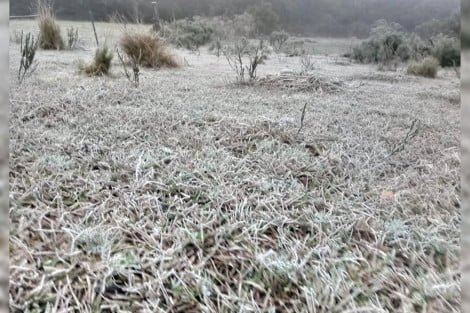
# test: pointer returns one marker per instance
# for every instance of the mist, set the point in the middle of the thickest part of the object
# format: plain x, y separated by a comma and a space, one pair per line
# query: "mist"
307, 17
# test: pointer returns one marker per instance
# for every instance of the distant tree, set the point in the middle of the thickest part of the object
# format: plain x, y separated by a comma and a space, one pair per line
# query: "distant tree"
449, 26
265, 18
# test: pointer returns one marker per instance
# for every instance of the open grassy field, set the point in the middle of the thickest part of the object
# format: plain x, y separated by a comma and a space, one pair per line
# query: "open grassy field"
193, 194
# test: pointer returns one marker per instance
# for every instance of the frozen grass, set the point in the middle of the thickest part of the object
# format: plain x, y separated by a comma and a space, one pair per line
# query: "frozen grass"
189, 194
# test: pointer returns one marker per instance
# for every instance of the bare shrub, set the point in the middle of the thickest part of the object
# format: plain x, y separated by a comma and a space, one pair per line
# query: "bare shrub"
244, 57
72, 38
426, 68
256, 55
277, 39
134, 62
149, 49
101, 63
50, 37
216, 47
295, 48
28, 48
306, 64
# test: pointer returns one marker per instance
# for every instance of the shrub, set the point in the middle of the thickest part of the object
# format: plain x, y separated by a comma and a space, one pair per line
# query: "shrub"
101, 63
277, 39
50, 37
417, 47
72, 38
149, 49
189, 34
134, 62
387, 43
28, 48
446, 50
216, 46
306, 64
244, 57
426, 68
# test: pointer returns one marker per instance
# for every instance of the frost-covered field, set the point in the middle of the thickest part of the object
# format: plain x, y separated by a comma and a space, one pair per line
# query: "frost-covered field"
192, 194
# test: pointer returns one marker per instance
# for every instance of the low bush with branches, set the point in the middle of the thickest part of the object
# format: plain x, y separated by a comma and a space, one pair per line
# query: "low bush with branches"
134, 62
306, 64
245, 57
277, 39
28, 48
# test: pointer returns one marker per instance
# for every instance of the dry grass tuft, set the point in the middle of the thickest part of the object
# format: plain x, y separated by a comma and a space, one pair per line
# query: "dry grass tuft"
100, 65
49, 29
426, 68
149, 48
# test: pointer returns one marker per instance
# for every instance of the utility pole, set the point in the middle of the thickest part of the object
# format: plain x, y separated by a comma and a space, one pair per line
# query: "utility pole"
156, 24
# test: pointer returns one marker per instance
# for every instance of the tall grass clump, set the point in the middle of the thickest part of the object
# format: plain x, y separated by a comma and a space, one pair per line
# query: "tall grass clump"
426, 68
101, 63
149, 49
50, 37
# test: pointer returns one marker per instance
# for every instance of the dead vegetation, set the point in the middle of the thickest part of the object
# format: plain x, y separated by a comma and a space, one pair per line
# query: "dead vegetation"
149, 49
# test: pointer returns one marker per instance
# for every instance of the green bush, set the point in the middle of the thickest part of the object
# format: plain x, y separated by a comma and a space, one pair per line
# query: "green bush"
446, 50
386, 43
426, 68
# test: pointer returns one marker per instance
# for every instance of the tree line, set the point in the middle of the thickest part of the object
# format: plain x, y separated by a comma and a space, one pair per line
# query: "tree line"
309, 17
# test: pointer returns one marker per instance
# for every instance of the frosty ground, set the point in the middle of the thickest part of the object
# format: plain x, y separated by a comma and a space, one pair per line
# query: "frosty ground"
193, 194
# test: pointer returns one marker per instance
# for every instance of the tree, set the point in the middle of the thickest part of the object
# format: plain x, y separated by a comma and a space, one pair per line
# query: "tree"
266, 19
